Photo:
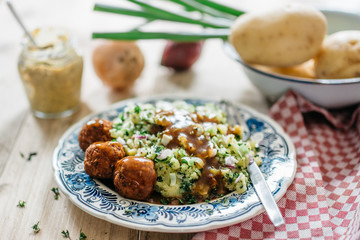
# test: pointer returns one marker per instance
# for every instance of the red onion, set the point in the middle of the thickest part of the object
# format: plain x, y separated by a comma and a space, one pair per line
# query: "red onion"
140, 137
229, 166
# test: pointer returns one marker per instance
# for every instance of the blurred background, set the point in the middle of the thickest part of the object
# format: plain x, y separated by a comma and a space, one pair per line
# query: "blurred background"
78, 16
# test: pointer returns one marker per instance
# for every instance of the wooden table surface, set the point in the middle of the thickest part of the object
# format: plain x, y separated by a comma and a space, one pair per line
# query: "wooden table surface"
214, 74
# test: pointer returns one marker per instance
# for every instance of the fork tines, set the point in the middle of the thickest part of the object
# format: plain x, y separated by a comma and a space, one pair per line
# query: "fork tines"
234, 117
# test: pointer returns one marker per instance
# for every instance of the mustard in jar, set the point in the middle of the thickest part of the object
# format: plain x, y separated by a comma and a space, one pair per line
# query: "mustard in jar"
51, 73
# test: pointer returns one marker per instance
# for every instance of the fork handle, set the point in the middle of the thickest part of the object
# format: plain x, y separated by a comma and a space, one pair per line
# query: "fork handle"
265, 195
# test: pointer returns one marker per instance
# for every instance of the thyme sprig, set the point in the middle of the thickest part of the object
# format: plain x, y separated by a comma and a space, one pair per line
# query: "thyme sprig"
29, 157
36, 228
56, 192
21, 204
66, 234
82, 235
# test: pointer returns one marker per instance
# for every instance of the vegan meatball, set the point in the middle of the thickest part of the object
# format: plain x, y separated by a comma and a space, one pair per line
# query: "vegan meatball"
135, 177
96, 130
100, 158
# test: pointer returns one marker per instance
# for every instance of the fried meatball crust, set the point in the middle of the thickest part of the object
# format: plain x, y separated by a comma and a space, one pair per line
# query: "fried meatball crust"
100, 158
96, 130
135, 177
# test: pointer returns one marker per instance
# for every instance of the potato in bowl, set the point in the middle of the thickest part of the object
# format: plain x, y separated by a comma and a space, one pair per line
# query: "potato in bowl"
324, 91
339, 56
279, 37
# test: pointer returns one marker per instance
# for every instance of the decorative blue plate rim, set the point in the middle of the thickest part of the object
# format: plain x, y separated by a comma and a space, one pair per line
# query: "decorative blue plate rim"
92, 196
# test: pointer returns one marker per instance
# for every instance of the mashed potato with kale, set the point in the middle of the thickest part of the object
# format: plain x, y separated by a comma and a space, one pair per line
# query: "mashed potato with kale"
198, 156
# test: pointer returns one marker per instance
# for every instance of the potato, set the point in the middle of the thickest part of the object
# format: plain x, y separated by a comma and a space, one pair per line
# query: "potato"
304, 70
118, 63
339, 56
280, 37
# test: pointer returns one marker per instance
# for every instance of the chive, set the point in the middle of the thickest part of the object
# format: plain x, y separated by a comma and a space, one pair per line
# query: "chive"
144, 132
165, 160
165, 14
184, 161
124, 11
221, 7
183, 37
158, 149
213, 15
191, 5
151, 16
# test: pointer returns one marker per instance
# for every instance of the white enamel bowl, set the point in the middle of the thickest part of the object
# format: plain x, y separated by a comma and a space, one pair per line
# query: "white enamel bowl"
328, 93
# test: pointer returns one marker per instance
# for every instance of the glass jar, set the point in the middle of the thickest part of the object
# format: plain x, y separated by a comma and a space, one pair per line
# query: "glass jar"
51, 73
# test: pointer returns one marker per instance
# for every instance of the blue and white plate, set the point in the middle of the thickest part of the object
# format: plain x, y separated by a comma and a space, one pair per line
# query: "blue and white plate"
95, 198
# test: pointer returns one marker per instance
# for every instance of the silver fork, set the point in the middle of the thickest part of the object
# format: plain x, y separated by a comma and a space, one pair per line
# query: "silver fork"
234, 117
257, 179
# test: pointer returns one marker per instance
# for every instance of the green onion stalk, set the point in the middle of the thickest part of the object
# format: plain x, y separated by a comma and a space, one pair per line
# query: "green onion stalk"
215, 18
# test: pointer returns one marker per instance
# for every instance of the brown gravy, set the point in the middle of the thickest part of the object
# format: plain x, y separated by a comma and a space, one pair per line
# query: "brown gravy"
183, 125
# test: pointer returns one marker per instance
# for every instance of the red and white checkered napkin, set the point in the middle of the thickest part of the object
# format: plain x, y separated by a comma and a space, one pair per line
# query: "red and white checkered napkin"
323, 200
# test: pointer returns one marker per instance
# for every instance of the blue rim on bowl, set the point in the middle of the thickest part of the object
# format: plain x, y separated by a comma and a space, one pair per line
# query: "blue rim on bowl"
337, 21
231, 52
